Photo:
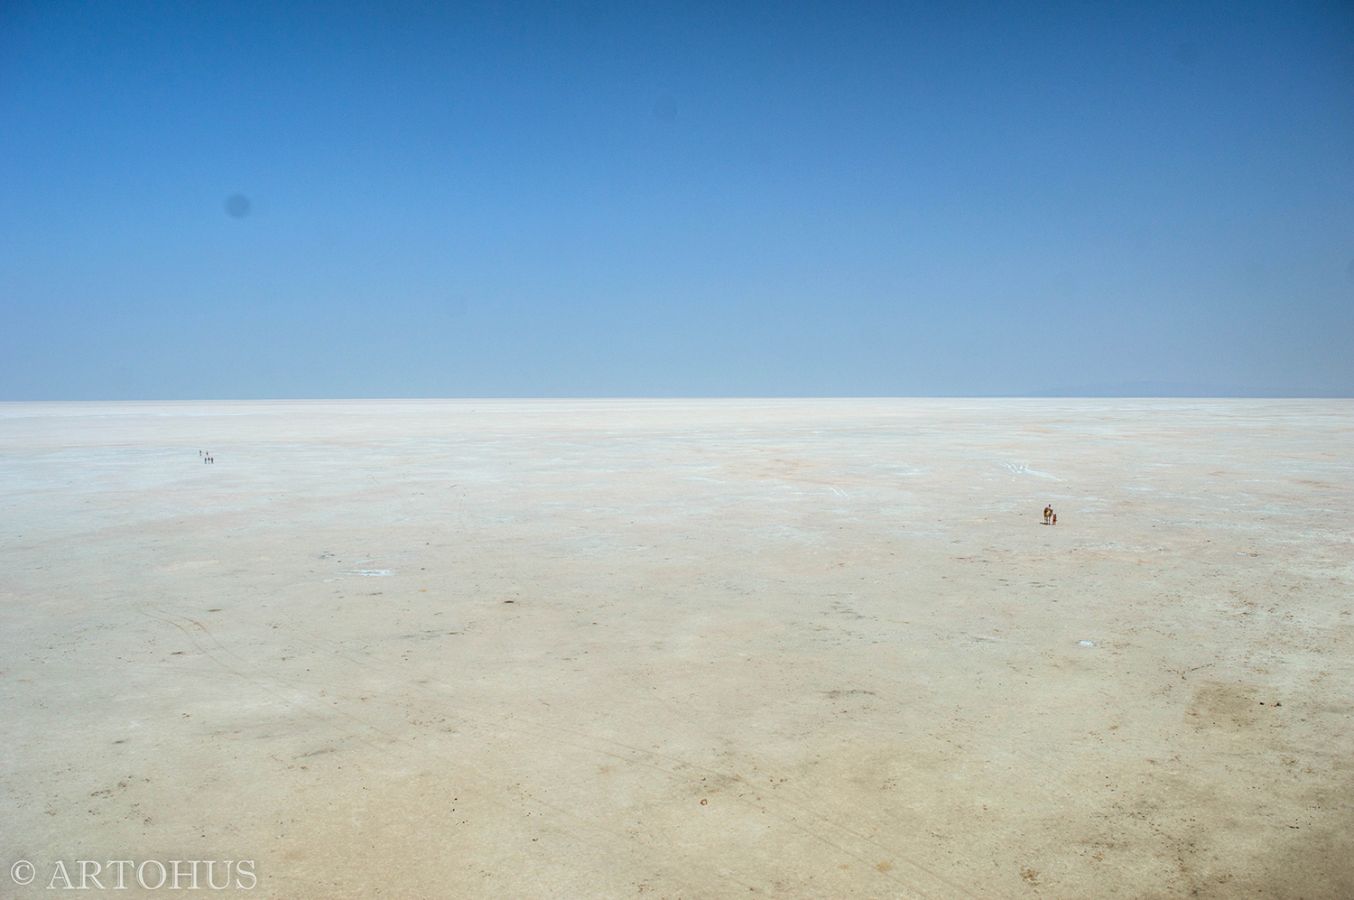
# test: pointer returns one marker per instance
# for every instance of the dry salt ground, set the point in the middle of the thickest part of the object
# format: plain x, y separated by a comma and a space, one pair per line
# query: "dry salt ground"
676, 648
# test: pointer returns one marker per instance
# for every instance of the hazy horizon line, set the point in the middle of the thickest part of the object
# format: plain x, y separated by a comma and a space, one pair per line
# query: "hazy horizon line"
1331, 395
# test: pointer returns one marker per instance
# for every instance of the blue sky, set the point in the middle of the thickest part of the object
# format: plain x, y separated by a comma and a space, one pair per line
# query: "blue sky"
211, 200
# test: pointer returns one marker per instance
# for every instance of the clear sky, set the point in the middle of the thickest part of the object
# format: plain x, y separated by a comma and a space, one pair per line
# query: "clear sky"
233, 199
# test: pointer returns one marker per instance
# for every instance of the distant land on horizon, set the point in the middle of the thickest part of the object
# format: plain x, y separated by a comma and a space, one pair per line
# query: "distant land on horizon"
1144, 390
1168, 389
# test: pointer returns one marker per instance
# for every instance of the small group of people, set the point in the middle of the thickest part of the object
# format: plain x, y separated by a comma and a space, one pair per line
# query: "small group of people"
1050, 517
207, 457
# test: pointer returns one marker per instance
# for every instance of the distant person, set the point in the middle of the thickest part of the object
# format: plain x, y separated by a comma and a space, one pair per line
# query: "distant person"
1055, 518
1048, 513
